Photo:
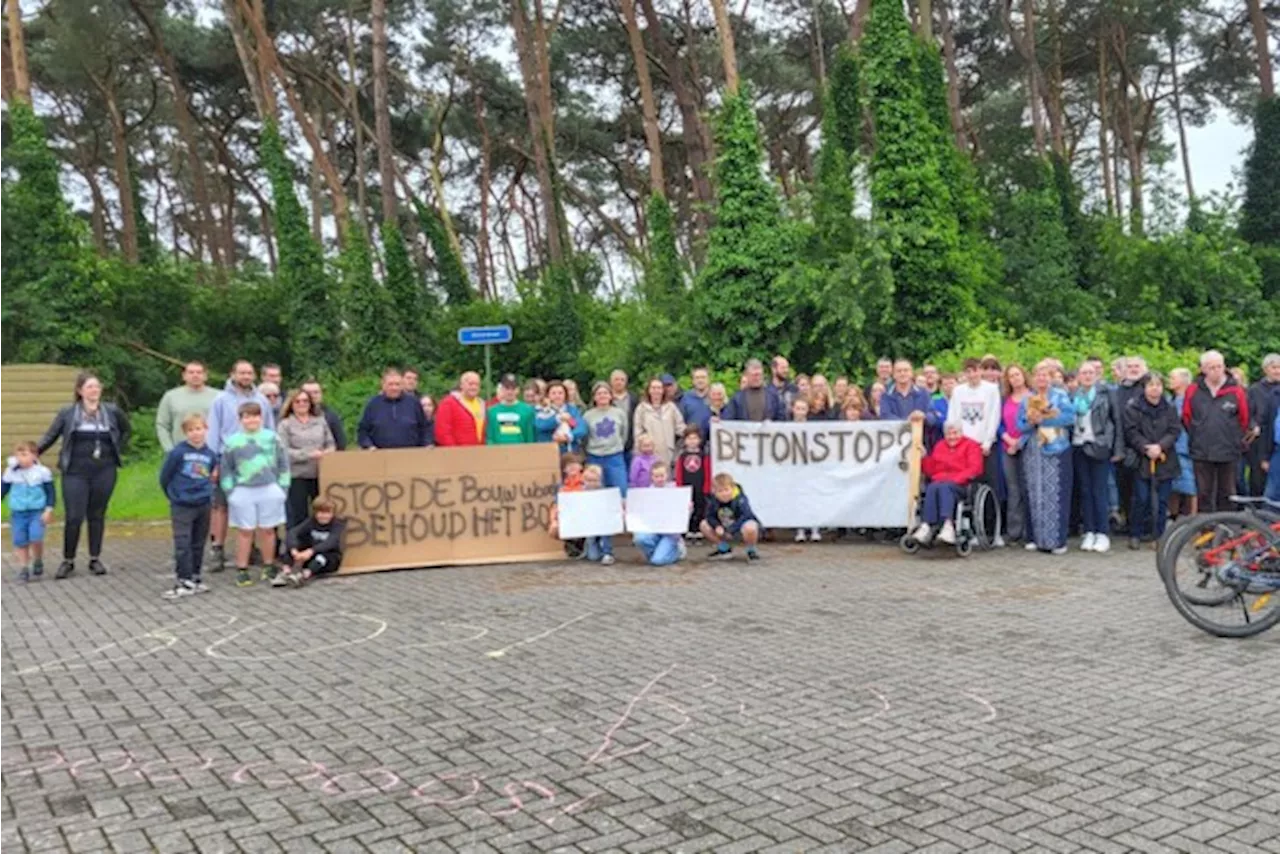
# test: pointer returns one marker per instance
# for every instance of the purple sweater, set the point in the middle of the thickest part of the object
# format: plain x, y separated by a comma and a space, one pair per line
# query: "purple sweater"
642, 469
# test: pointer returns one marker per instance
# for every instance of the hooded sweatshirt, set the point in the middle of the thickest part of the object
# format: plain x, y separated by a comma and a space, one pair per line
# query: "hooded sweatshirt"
224, 415
732, 514
29, 488
187, 475
254, 459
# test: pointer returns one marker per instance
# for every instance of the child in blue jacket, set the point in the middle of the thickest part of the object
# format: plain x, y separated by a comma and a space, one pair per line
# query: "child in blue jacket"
28, 485
187, 480
729, 515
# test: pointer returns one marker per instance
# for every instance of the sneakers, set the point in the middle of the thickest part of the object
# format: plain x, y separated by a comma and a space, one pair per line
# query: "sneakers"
752, 555
243, 579
607, 560
268, 573
998, 542
721, 554
1102, 544
1086, 544
948, 533
923, 534
217, 558
1134, 544
65, 569
682, 551
181, 590
281, 578
201, 587
815, 536
1060, 550
37, 568
800, 537
97, 567
1031, 547
697, 537
24, 574
298, 579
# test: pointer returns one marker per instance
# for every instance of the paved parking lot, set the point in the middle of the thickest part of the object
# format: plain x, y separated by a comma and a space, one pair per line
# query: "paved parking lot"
835, 698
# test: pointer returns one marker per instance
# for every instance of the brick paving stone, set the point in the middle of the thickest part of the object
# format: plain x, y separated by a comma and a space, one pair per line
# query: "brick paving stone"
839, 698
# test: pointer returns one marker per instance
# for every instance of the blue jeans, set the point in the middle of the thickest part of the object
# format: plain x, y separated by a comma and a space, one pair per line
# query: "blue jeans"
1273, 477
614, 467
1092, 477
598, 547
940, 501
1141, 510
659, 549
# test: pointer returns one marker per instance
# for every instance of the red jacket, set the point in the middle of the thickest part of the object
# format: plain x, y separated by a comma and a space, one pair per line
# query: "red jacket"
455, 425
957, 465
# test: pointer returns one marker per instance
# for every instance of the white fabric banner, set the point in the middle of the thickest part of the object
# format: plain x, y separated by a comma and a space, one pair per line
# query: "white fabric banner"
595, 513
819, 474
659, 510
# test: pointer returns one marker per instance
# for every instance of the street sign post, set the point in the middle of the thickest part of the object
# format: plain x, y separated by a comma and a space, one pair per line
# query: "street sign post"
471, 336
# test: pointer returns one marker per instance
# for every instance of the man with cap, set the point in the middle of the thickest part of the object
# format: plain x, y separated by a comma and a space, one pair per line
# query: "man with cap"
510, 420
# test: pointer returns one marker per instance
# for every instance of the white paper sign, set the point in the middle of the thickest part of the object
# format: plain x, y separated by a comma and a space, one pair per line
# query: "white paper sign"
659, 510
594, 513
818, 474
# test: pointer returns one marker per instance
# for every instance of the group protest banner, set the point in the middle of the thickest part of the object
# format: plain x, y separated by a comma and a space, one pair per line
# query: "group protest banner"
657, 510
444, 506
594, 513
823, 474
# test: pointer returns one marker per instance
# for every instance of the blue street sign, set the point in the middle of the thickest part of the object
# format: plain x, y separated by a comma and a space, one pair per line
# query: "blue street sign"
484, 335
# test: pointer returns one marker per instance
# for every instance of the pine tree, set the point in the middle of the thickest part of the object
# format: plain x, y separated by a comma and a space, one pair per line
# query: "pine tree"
935, 279
450, 274
663, 278
301, 272
748, 247
374, 338
1260, 214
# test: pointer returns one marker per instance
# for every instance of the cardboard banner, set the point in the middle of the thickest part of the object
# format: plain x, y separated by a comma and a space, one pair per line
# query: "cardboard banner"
597, 513
822, 474
441, 506
659, 510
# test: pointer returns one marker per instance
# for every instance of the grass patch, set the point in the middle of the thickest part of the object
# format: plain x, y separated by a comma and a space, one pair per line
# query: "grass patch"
137, 498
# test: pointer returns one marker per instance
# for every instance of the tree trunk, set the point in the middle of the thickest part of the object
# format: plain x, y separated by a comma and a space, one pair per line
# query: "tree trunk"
728, 55
858, 21
382, 110
648, 104
537, 93
21, 91
267, 51
1263, 47
484, 257
1033, 71
926, 20
1104, 118
1182, 128
205, 221
248, 60
120, 153
953, 74
1053, 95
98, 216
357, 125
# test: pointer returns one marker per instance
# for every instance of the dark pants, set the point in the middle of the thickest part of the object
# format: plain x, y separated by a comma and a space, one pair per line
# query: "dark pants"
1124, 486
1140, 510
297, 507
1091, 485
190, 530
85, 495
324, 564
1215, 482
940, 501
1257, 477
698, 512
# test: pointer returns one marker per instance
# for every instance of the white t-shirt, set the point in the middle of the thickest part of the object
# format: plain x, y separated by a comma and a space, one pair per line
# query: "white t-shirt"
977, 411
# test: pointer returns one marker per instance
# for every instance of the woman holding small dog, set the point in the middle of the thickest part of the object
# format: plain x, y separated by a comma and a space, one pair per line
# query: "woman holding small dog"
1044, 419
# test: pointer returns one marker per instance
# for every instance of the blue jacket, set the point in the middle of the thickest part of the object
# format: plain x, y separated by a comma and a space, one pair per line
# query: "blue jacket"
30, 489
1066, 417
774, 408
732, 514
398, 423
696, 412
546, 421
898, 407
187, 475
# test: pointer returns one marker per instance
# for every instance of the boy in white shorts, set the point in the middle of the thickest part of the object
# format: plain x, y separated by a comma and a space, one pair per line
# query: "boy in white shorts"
255, 477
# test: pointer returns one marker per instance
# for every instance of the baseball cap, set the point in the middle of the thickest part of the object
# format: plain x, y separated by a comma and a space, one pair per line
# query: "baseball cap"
509, 381
667, 379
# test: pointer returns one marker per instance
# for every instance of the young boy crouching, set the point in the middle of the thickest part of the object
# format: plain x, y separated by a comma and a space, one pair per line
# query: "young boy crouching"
729, 515
315, 546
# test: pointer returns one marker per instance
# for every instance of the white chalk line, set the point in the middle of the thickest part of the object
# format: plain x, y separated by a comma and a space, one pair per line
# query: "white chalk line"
991, 710
212, 649
499, 653
164, 634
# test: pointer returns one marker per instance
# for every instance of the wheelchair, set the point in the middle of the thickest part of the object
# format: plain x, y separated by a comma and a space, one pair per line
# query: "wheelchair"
977, 521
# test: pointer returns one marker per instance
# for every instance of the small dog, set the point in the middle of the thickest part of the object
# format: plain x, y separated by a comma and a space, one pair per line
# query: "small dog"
1039, 404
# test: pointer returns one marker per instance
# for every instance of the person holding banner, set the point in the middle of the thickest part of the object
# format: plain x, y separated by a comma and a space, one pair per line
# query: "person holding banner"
606, 432
1044, 419
660, 549
599, 549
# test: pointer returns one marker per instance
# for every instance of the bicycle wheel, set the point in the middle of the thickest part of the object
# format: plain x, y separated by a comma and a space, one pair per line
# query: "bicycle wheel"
1244, 561
1182, 558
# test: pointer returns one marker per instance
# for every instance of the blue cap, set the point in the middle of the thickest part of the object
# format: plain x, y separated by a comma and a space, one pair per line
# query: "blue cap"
667, 379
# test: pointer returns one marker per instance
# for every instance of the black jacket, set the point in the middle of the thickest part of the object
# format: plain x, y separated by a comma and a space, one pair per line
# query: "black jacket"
64, 423
1264, 400
1153, 424
1122, 394
322, 539
336, 427
1216, 425
1108, 435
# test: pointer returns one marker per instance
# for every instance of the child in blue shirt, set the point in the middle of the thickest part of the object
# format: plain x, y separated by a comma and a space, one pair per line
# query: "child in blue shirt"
29, 487
187, 480
729, 515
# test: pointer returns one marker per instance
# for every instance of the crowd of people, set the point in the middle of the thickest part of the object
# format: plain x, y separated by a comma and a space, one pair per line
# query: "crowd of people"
1094, 450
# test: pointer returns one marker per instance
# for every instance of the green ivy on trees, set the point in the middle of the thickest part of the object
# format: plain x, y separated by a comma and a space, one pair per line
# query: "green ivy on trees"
404, 286
748, 247
1260, 213
52, 281
935, 278
313, 316
374, 338
450, 274
844, 101
663, 275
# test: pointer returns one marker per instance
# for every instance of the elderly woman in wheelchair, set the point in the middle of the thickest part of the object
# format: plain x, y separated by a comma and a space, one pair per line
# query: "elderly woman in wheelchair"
952, 467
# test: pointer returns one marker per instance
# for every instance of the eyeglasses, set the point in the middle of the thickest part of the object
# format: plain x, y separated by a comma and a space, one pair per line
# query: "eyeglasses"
273, 397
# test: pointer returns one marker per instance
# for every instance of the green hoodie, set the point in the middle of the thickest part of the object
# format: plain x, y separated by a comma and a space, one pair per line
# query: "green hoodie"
510, 424
254, 459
